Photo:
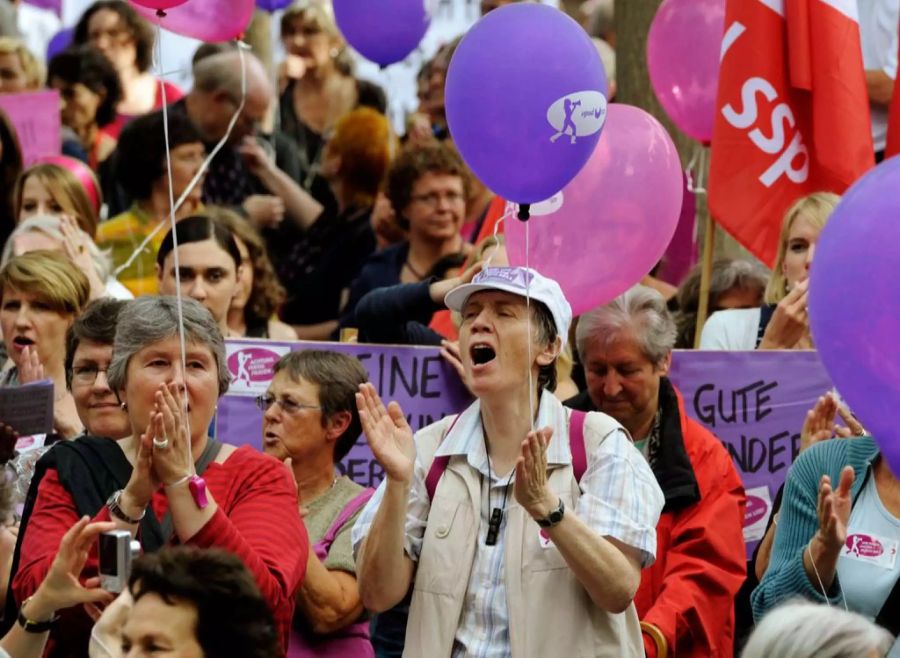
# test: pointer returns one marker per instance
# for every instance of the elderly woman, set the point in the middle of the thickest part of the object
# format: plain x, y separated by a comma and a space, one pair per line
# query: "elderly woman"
252, 310
427, 185
61, 233
318, 259
90, 90
209, 266
41, 294
735, 283
685, 601
557, 556
115, 29
168, 479
140, 170
783, 322
89, 346
310, 417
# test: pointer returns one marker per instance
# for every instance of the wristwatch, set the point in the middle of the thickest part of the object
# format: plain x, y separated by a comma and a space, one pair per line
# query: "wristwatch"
30, 626
116, 511
554, 517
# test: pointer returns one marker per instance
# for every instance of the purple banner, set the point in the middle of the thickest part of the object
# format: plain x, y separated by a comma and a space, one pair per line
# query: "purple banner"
755, 403
418, 378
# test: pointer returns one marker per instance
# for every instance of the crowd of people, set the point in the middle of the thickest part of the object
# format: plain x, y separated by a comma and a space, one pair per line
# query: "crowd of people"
573, 508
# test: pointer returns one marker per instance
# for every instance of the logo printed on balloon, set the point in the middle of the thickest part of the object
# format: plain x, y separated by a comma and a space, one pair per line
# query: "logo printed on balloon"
756, 510
577, 115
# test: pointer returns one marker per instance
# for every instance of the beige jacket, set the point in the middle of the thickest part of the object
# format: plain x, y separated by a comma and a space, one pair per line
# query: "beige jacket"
550, 613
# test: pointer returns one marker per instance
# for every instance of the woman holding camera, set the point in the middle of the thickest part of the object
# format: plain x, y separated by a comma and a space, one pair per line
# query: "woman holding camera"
168, 482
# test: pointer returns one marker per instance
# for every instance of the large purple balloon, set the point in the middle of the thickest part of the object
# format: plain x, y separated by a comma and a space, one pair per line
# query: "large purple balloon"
854, 305
60, 41
613, 222
206, 20
683, 52
526, 100
384, 32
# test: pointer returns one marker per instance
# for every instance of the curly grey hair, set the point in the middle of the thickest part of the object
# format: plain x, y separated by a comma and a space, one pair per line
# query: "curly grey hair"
641, 310
149, 320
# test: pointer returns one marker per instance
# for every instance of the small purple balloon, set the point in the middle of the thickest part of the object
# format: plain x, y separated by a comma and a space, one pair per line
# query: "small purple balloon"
683, 53
854, 307
272, 5
386, 34
526, 100
613, 222
60, 41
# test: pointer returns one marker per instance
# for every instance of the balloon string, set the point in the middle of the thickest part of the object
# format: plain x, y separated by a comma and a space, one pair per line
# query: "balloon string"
696, 170
203, 167
178, 299
508, 211
531, 419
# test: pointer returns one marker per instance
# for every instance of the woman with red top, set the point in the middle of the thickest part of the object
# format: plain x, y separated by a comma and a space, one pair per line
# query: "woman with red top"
115, 29
168, 482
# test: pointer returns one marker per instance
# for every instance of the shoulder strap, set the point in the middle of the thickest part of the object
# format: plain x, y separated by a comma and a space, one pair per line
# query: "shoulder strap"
576, 443
346, 514
766, 311
438, 465
207, 457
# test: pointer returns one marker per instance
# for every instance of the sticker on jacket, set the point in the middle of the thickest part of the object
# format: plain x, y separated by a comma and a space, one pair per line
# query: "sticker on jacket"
872, 549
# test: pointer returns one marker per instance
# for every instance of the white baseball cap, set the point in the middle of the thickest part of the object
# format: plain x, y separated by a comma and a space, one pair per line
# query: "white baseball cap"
520, 281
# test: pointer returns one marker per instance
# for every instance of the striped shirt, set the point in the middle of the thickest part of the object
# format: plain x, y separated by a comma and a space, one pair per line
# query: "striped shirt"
620, 499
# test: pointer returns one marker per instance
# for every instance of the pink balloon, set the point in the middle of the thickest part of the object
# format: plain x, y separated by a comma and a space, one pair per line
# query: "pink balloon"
159, 4
613, 222
683, 52
206, 20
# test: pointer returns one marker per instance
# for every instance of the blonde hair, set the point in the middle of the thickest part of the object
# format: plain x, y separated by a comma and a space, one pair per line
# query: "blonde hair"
816, 208
66, 190
34, 71
319, 16
50, 275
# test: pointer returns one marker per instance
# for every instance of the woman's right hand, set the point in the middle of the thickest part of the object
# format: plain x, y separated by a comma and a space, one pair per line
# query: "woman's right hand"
819, 423
790, 321
833, 509
141, 485
389, 435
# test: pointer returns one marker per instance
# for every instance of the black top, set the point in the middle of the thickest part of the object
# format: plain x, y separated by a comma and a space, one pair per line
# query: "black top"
381, 270
398, 315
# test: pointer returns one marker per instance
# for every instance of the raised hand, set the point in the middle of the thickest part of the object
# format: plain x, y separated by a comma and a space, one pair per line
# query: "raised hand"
819, 423
31, 369
789, 327
173, 462
142, 484
389, 435
531, 488
833, 510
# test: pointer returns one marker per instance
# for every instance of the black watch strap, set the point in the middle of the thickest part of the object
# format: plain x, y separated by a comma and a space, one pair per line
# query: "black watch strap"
554, 517
30, 626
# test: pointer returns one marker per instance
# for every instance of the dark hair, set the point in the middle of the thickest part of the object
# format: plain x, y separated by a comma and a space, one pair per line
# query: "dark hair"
338, 377
96, 324
414, 162
141, 30
546, 333
85, 65
198, 229
233, 619
267, 294
141, 151
10, 168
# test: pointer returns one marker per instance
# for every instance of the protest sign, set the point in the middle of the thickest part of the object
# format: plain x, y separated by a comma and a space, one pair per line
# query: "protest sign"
28, 409
418, 378
35, 116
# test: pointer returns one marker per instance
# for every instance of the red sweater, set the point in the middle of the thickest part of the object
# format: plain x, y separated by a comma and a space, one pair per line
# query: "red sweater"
257, 520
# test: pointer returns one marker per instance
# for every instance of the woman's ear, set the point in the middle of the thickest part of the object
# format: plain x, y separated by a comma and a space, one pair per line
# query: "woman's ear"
550, 352
337, 424
159, 272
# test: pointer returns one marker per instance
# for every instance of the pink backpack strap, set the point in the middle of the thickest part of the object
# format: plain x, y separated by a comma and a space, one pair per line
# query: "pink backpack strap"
438, 466
346, 514
576, 443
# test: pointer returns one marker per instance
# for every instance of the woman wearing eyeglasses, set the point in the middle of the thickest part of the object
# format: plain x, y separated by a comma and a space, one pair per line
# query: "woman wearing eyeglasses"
310, 417
428, 186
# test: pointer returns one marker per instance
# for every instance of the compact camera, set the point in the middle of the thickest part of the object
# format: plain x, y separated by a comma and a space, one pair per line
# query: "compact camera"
117, 551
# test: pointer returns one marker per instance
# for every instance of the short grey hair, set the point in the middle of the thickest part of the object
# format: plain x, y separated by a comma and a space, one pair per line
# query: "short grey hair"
222, 71
640, 310
149, 320
800, 629
50, 225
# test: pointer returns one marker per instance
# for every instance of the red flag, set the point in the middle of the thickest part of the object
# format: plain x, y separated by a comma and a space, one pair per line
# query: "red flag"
893, 136
792, 113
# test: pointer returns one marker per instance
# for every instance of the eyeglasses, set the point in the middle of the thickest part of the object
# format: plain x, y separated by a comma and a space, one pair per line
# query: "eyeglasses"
87, 374
432, 199
291, 408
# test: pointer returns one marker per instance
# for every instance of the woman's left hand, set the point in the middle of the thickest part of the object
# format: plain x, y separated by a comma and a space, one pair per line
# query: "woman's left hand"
531, 488
30, 369
171, 422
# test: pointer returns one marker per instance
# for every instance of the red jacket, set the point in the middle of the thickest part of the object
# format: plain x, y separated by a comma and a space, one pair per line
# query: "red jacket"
688, 593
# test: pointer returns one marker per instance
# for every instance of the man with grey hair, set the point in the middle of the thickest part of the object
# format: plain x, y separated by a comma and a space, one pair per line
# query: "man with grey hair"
685, 600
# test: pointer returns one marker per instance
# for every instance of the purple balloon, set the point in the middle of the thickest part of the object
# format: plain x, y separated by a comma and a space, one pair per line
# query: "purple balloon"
272, 5
60, 41
854, 308
683, 53
526, 100
613, 222
385, 35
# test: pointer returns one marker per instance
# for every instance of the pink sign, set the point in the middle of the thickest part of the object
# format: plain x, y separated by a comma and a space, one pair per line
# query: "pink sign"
756, 510
35, 116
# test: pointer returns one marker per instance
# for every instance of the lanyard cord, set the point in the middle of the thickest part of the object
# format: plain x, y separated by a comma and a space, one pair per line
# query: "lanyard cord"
495, 515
